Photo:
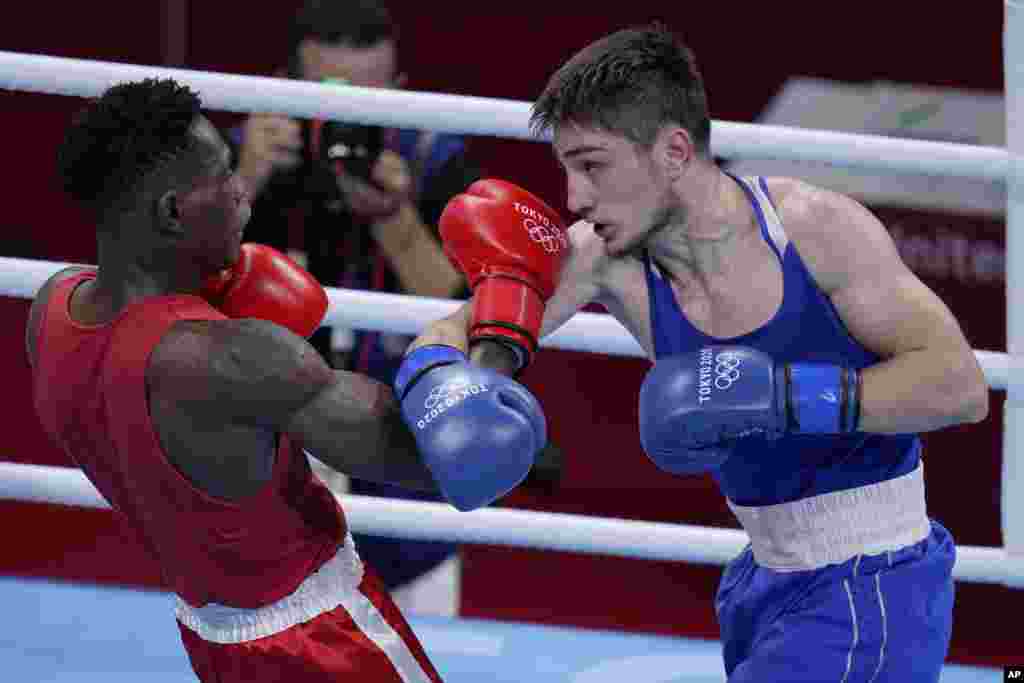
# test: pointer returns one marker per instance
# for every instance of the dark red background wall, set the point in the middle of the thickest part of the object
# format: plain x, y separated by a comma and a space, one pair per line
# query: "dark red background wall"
747, 50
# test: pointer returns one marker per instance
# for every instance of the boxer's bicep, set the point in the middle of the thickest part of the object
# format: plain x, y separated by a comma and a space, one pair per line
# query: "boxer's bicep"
928, 376
901, 316
883, 305
258, 374
235, 372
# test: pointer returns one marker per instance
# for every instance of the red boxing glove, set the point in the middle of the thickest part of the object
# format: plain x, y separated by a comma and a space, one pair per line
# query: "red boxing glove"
511, 246
268, 285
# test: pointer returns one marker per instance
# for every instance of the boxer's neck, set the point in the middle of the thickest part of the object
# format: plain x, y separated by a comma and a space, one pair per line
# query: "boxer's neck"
124, 277
709, 233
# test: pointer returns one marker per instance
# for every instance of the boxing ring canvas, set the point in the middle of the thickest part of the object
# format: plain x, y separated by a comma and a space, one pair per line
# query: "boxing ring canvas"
74, 633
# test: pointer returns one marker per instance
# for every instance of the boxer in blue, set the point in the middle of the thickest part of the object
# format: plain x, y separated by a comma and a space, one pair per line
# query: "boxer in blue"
796, 359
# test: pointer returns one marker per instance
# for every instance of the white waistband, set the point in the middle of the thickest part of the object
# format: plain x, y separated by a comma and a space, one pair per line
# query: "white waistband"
321, 591
834, 527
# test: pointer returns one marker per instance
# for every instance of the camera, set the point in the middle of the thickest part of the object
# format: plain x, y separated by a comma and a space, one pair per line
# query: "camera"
352, 148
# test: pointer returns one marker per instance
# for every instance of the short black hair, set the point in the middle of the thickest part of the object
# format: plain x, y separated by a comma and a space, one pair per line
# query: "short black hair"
631, 82
124, 135
357, 23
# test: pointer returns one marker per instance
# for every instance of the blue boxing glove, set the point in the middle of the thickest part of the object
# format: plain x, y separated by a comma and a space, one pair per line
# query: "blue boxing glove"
693, 405
477, 431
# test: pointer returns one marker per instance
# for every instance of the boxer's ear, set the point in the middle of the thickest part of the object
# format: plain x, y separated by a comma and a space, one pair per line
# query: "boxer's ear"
167, 215
674, 148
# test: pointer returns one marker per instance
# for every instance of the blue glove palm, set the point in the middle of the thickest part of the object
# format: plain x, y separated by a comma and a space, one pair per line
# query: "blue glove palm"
478, 431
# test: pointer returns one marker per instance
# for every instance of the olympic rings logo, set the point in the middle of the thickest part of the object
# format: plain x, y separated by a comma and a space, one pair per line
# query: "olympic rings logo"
446, 396
548, 236
727, 370
444, 391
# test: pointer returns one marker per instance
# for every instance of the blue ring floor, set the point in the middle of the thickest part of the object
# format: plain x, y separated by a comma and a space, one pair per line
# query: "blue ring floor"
54, 632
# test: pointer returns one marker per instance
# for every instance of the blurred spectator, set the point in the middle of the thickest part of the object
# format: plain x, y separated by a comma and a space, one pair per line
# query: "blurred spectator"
360, 222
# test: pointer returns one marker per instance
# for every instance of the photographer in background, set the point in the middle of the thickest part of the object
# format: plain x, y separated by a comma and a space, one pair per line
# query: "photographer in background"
358, 206
344, 213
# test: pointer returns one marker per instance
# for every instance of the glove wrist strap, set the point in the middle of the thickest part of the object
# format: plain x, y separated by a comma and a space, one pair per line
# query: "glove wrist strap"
822, 398
420, 361
504, 306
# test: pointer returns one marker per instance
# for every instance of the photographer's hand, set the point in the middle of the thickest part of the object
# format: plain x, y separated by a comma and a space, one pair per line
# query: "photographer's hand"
389, 188
387, 205
270, 142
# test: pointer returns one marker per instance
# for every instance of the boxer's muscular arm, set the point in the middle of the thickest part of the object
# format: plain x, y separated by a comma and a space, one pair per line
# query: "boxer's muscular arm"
258, 374
581, 280
928, 377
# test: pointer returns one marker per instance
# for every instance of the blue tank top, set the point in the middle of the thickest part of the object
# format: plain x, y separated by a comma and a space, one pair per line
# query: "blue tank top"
805, 328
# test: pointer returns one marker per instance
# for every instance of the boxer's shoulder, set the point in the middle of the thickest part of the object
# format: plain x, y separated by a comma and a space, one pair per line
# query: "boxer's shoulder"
40, 302
222, 367
42, 296
799, 204
811, 212
836, 236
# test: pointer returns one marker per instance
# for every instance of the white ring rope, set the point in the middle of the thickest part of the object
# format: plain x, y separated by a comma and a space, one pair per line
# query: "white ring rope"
403, 314
489, 116
499, 526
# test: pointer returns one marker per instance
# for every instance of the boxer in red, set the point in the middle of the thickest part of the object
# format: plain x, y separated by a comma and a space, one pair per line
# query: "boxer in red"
178, 376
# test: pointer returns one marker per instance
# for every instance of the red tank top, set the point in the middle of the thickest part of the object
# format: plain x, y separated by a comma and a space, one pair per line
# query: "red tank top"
90, 394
